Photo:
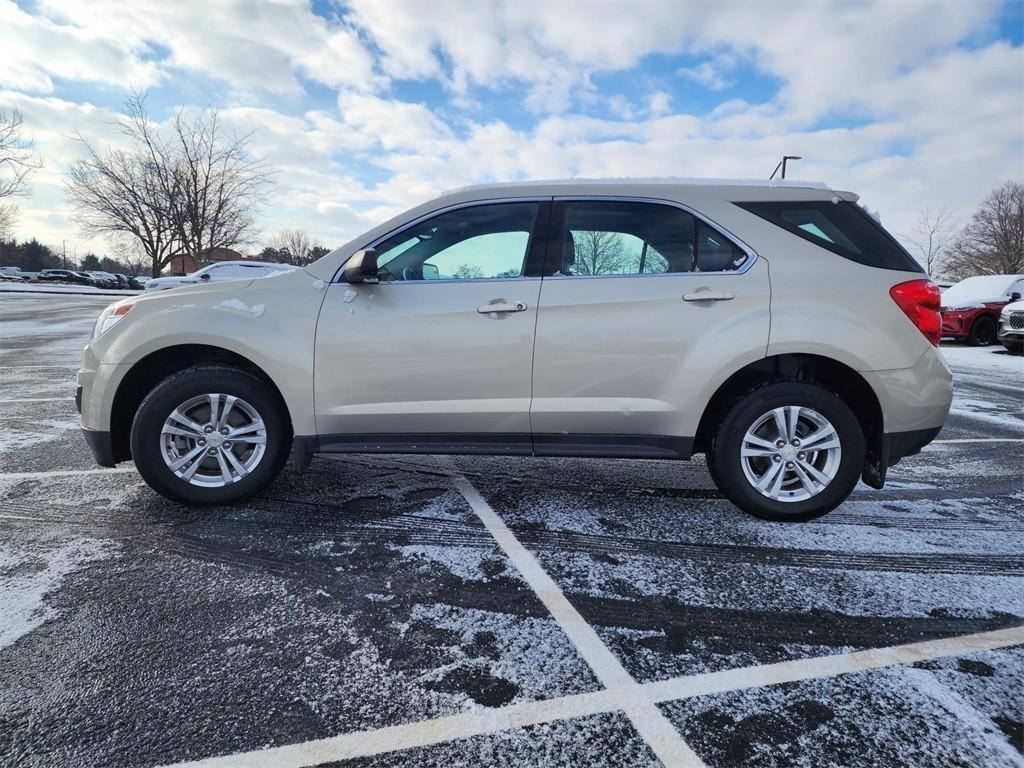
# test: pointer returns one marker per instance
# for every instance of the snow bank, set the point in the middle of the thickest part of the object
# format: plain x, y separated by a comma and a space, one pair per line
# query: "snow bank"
978, 290
90, 290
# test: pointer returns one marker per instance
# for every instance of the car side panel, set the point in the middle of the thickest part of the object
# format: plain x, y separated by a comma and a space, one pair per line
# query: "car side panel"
628, 356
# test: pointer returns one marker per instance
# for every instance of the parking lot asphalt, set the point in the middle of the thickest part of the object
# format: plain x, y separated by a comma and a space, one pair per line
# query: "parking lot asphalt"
437, 611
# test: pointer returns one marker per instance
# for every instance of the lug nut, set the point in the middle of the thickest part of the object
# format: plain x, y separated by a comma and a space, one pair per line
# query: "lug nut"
224, 431
207, 429
227, 446
776, 457
212, 451
201, 441
796, 442
801, 455
789, 465
779, 443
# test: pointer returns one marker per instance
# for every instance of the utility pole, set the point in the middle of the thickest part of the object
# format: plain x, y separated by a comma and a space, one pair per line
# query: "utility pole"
782, 165
64, 248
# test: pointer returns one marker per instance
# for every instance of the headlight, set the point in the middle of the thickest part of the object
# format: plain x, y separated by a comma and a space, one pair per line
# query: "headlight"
110, 316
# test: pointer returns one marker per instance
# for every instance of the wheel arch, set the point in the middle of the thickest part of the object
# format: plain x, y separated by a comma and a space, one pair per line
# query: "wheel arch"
153, 368
835, 376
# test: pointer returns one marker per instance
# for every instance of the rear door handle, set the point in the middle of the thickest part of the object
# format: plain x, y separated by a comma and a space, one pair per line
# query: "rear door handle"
501, 306
709, 296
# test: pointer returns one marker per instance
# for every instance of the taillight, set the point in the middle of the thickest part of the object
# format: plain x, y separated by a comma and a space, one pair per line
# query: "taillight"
919, 300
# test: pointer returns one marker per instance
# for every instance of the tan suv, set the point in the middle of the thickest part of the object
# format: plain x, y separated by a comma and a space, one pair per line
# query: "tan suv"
776, 328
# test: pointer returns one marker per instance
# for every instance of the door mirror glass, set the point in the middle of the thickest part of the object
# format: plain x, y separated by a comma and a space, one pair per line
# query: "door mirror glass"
1015, 296
431, 272
361, 268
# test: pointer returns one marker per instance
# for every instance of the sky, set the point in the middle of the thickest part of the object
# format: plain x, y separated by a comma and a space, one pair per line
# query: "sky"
367, 107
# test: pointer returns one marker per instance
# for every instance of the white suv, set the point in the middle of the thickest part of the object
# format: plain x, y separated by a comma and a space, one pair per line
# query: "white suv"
776, 328
221, 270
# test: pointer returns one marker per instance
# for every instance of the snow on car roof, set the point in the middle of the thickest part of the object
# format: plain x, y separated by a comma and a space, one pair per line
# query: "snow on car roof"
978, 290
682, 181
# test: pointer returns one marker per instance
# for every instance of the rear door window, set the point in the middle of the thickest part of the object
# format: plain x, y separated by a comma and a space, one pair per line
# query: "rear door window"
603, 238
843, 228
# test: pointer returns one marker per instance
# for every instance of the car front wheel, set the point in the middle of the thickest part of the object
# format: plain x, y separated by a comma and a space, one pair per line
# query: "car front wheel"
789, 451
983, 332
210, 435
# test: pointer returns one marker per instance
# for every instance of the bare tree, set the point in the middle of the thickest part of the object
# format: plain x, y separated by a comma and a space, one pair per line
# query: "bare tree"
992, 243
127, 251
598, 253
219, 184
17, 161
183, 190
932, 235
296, 244
8, 215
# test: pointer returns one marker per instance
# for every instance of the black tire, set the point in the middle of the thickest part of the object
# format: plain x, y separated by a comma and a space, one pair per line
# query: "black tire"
193, 382
983, 332
709, 459
727, 443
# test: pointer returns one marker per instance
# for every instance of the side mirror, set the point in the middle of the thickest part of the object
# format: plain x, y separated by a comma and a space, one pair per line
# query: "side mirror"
204, 276
431, 272
1015, 296
361, 267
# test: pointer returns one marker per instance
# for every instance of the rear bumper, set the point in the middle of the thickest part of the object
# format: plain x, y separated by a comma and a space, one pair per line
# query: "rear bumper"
899, 445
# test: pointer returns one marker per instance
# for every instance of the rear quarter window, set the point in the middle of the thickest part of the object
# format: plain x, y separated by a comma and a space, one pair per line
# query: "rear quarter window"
844, 228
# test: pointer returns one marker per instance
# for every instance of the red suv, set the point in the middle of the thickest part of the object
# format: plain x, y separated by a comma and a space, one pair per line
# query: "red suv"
970, 309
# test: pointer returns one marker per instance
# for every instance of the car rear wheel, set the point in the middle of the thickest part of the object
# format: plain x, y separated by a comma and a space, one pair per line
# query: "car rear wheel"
789, 451
983, 332
210, 435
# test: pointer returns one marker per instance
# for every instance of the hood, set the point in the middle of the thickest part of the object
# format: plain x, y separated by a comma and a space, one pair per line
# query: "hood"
978, 290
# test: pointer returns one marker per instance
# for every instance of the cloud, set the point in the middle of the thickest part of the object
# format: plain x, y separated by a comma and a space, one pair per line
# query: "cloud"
250, 46
907, 103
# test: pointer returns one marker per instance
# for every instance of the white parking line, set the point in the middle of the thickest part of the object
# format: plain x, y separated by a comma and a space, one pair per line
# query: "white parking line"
33, 367
981, 440
649, 721
37, 399
64, 473
483, 721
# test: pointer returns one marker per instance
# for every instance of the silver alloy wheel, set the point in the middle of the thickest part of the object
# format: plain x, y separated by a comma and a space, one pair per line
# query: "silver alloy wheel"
791, 453
213, 440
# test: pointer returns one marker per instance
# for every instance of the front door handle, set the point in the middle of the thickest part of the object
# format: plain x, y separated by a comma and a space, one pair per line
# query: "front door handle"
500, 307
706, 295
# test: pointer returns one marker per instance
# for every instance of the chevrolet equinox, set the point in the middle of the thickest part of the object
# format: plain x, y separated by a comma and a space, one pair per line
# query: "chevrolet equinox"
776, 328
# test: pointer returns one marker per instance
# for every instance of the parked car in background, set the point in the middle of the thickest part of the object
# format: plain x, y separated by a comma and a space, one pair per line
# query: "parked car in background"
489, 321
104, 279
970, 309
65, 276
222, 270
13, 277
1011, 327
12, 272
127, 282
944, 284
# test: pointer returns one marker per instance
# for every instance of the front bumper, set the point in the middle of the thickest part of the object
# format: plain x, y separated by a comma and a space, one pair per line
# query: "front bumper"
102, 446
100, 442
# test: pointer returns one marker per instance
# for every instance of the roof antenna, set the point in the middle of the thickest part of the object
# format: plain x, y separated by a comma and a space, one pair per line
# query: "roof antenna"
782, 165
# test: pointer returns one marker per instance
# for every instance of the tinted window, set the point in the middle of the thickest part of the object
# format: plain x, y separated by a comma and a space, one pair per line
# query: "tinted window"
482, 242
843, 228
627, 238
